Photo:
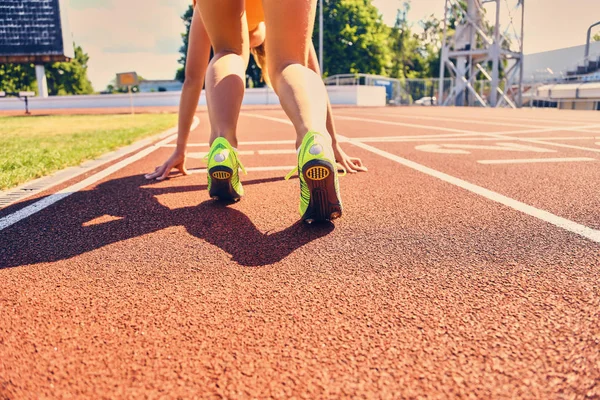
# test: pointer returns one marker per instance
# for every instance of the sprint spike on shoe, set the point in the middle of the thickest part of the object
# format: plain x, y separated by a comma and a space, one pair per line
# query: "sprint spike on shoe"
223, 172
320, 198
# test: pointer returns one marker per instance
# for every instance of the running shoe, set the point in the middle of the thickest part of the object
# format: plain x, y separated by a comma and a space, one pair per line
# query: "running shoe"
320, 198
223, 172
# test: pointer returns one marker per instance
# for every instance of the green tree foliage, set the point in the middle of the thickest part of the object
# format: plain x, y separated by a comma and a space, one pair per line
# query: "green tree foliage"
355, 38
17, 77
187, 21
64, 78
596, 37
415, 55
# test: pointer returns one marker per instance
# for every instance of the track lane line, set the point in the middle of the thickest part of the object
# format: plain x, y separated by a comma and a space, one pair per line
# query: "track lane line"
516, 118
447, 119
534, 160
465, 131
499, 135
247, 143
401, 139
39, 205
287, 168
560, 222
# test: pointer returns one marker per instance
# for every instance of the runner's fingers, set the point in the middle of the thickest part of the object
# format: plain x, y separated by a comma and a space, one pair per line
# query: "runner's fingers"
348, 166
183, 169
357, 162
165, 172
153, 174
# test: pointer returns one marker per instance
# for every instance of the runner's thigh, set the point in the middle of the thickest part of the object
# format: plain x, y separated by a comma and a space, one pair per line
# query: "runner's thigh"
289, 31
225, 22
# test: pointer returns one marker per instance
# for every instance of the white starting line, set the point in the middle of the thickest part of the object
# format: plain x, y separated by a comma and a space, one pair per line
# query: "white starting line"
286, 168
242, 143
202, 155
535, 160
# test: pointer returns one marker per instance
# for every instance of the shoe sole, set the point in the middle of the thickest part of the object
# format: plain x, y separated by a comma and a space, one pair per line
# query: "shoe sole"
221, 187
324, 202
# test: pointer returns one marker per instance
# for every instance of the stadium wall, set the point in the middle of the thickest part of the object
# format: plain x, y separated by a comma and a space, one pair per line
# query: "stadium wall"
339, 95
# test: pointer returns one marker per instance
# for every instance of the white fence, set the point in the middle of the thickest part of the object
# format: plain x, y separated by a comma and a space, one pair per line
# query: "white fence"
341, 95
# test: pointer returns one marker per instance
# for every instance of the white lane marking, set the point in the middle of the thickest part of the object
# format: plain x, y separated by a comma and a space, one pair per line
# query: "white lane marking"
453, 138
579, 129
567, 146
462, 120
201, 155
278, 151
461, 148
514, 117
498, 135
535, 160
501, 121
543, 215
252, 169
426, 138
248, 143
188, 145
383, 122
39, 205
464, 131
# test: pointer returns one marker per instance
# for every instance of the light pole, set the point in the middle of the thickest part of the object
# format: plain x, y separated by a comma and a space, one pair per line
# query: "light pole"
587, 43
321, 36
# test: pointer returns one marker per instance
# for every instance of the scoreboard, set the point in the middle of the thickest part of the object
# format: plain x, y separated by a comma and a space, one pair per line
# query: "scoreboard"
34, 31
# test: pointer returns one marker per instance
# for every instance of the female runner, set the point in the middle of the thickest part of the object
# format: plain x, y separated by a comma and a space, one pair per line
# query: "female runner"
234, 28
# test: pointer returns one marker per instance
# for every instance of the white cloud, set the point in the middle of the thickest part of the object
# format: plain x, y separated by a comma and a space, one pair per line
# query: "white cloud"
132, 35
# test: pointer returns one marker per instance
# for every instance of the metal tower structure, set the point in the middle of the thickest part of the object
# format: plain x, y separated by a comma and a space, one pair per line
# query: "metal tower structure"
476, 50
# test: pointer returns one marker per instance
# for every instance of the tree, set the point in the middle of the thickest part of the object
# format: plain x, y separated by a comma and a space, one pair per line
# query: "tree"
17, 77
187, 21
64, 78
596, 37
354, 37
415, 55
69, 77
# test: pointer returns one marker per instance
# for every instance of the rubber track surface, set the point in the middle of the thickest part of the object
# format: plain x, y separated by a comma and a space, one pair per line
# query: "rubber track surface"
131, 289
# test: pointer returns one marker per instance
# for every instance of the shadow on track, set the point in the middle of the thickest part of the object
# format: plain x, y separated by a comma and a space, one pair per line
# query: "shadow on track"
63, 230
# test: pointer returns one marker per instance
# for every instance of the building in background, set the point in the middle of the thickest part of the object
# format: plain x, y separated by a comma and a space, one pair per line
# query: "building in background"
148, 86
556, 63
564, 78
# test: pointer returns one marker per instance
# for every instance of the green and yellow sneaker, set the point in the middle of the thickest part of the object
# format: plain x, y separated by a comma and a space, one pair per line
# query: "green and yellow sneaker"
319, 188
223, 172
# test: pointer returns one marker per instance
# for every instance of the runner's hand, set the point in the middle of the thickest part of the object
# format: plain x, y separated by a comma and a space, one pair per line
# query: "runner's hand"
350, 164
177, 160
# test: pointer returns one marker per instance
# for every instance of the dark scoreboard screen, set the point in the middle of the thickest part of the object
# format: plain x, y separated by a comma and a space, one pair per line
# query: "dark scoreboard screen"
34, 31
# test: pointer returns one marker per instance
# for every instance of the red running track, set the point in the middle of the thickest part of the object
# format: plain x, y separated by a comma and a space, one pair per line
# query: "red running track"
466, 265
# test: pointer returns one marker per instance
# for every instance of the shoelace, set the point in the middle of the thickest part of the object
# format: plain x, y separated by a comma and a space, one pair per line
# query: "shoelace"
237, 160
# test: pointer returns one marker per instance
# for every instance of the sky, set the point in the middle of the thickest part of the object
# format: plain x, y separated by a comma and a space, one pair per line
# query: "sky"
131, 35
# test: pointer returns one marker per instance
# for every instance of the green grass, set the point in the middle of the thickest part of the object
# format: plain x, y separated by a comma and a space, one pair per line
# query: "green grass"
32, 147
